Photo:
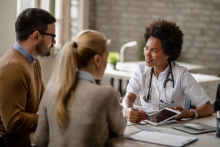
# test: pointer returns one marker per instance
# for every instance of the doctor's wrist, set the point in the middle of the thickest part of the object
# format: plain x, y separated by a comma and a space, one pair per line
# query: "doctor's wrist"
191, 114
125, 112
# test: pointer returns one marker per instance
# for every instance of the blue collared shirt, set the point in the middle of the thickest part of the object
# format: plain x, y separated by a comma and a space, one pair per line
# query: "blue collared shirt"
24, 52
85, 76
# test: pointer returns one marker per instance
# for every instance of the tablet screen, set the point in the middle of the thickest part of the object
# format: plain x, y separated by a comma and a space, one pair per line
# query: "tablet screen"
161, 116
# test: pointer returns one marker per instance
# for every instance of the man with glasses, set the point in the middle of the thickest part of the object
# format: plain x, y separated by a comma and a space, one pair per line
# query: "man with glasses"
21, 85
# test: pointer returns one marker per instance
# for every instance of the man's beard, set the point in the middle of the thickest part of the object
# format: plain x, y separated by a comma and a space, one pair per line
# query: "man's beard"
40, 48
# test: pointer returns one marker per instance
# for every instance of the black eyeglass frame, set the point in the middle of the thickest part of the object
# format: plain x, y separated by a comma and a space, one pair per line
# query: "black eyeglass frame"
52, 35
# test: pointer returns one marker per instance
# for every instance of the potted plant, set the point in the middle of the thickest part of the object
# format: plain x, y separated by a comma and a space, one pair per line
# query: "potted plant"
113, 58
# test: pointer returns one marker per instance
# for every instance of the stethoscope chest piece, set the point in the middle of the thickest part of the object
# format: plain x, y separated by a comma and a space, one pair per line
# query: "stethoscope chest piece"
148, 100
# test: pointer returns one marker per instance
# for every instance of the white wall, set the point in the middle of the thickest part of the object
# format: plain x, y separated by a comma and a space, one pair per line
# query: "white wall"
8, 10
8, 15
47, 64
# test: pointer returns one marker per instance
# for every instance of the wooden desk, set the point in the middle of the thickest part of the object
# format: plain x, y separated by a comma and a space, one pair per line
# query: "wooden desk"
205, 140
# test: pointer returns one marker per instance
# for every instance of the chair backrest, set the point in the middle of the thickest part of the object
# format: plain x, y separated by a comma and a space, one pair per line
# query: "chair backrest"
217, 100
2, 144
218, 93
187, 103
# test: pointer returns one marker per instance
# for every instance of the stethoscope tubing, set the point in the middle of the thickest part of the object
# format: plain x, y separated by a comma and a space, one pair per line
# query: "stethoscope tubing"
147, 98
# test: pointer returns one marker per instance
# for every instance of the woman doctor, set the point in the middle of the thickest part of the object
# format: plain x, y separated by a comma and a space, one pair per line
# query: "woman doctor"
160, 82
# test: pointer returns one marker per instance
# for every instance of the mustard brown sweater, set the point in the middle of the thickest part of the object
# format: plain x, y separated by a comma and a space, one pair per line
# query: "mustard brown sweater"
21, 88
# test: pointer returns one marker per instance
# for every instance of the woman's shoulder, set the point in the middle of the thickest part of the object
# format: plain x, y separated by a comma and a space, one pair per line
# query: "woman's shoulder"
108, 89
99, 92
180, 70
97, 88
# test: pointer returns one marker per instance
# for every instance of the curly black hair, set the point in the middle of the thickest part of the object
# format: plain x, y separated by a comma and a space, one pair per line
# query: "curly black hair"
169, 34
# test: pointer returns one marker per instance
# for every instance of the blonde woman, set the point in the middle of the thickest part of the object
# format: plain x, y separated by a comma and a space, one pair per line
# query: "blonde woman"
74, 110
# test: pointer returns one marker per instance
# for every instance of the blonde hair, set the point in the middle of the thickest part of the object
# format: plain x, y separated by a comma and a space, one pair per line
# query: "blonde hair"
72, 57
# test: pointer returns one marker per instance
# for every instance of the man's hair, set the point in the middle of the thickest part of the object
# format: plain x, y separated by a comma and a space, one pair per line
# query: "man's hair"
30, 20
170, 36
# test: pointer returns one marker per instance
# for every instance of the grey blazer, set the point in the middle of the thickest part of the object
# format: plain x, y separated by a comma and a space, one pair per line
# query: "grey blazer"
95, 113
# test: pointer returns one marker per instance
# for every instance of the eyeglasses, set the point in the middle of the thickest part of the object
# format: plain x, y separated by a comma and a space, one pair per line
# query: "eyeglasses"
52, 35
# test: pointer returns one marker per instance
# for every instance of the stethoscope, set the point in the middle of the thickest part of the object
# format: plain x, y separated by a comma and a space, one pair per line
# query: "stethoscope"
170, 72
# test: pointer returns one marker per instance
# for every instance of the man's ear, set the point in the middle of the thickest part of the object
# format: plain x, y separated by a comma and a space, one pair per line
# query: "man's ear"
96, 60
36, 36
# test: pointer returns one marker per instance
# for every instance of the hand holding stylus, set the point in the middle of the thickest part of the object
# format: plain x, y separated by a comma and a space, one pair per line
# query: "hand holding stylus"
135, 115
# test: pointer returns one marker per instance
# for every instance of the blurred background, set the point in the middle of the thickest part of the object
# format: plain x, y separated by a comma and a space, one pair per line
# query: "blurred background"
123, 21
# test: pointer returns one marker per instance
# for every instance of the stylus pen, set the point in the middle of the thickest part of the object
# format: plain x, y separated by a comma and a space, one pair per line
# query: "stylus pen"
137, 110
134, 109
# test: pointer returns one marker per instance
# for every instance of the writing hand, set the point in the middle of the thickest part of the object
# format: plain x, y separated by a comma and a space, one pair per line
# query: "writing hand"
135, 115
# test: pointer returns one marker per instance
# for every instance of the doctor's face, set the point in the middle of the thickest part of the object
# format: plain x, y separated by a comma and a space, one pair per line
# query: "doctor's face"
154, 53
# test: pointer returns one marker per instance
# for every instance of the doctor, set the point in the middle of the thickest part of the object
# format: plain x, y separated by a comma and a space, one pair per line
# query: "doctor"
160, 82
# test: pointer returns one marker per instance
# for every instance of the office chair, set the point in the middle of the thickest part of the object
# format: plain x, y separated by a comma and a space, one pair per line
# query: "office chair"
2, 144
216, 105
187, 105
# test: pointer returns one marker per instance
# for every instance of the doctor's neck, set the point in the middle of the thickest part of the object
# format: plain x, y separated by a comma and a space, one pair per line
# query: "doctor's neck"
159, 69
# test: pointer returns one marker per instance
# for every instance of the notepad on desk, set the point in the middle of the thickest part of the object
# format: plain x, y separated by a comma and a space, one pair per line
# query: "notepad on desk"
162, 138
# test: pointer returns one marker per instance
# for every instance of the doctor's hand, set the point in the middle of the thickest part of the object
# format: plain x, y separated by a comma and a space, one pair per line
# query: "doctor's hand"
183, 113
135, 115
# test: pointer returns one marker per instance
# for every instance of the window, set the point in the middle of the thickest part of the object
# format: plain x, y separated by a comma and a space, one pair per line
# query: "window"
71, 16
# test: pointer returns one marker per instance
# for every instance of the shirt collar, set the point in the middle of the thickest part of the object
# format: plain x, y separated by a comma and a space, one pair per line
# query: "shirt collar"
24, 52
167, 68
85, 76
147, 70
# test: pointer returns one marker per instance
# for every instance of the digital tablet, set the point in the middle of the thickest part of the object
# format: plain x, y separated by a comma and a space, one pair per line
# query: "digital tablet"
161, 116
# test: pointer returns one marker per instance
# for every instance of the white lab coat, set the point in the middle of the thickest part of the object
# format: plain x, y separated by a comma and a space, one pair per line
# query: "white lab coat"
184, 84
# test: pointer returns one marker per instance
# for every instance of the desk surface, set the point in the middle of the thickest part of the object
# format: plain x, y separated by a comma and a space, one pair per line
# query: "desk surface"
205, 140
